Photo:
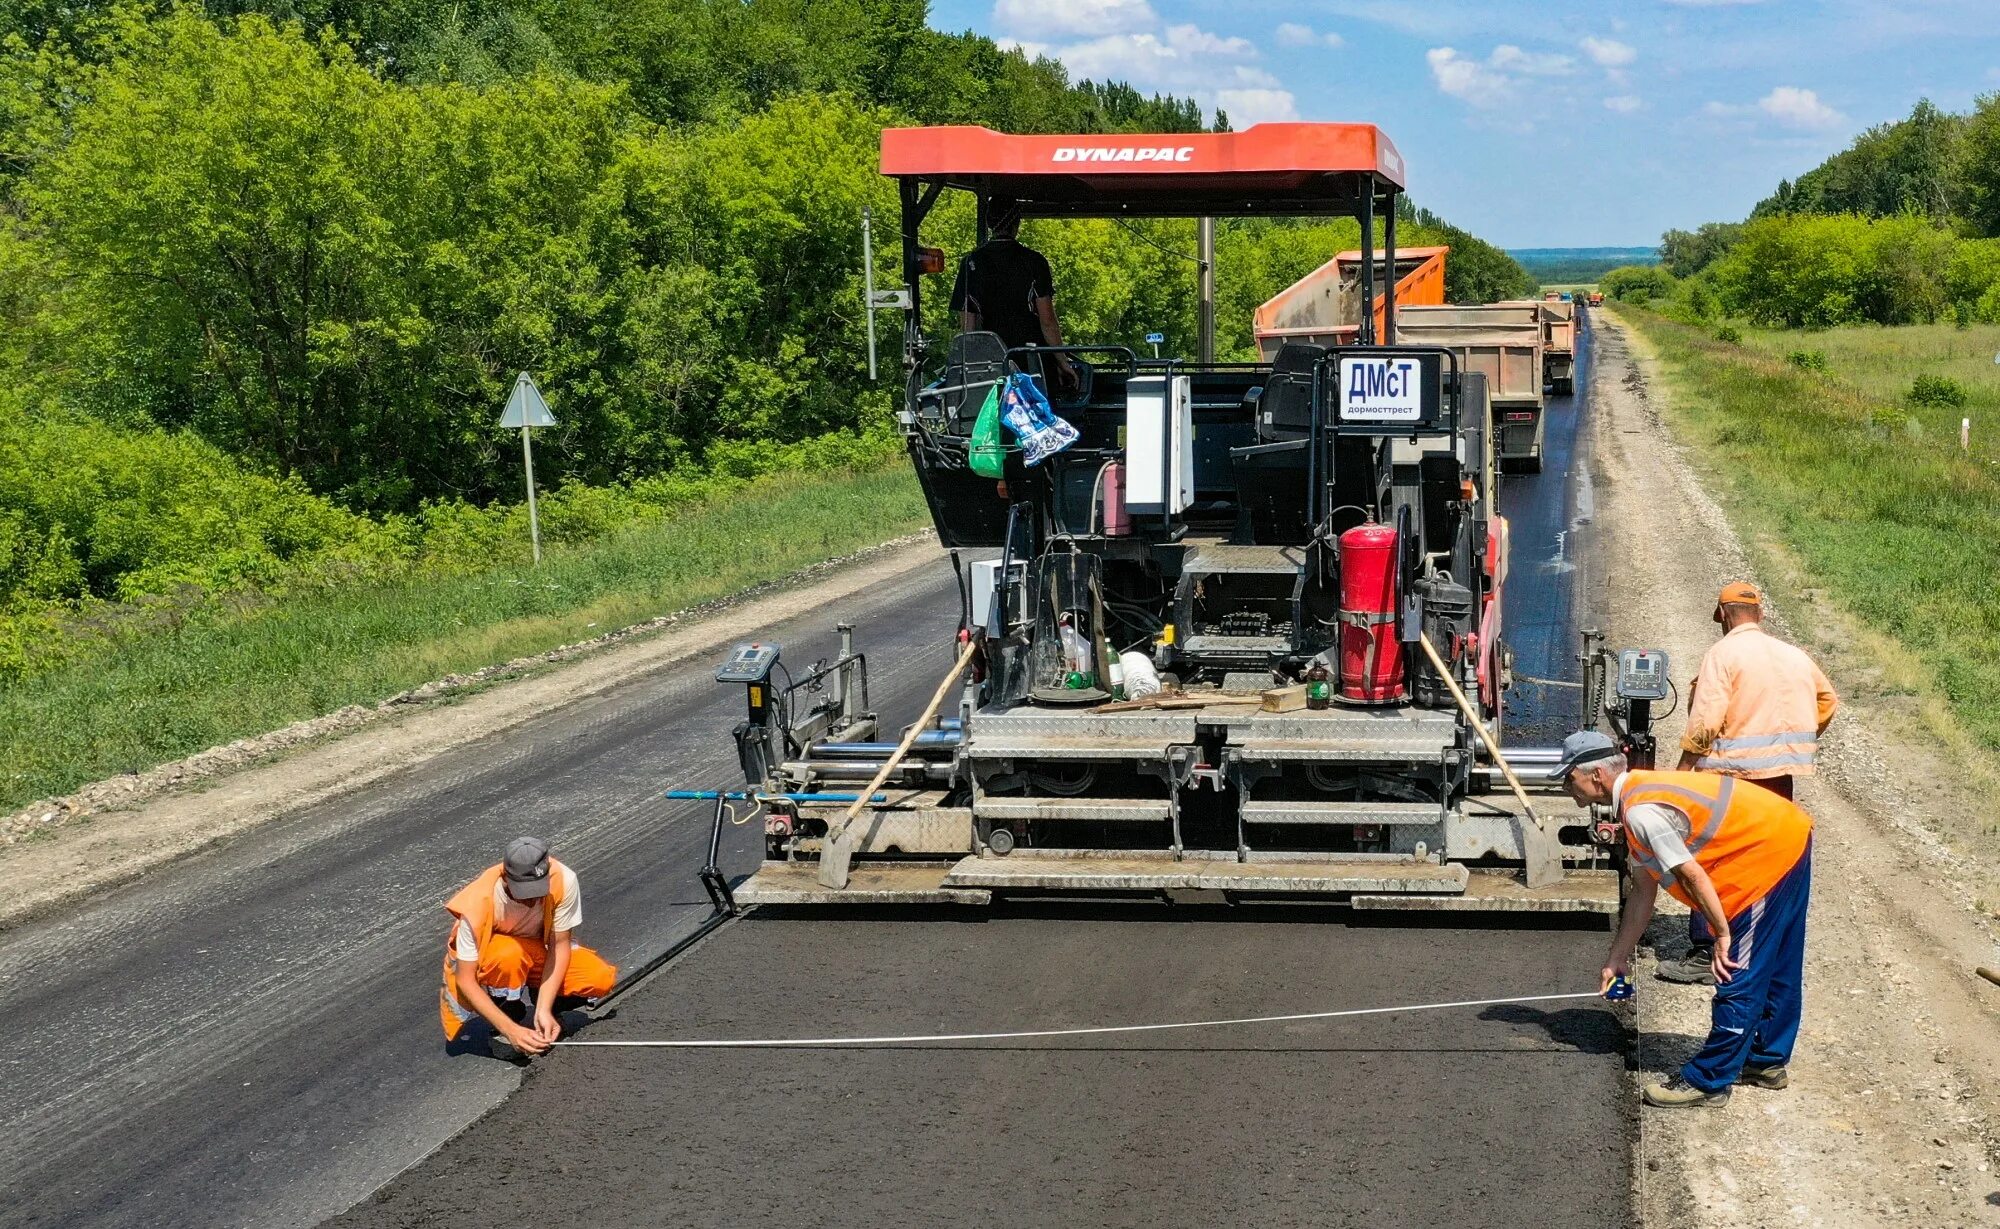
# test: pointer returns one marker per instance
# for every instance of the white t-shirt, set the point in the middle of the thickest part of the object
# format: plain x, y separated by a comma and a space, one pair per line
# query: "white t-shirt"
1661, 828
523, 919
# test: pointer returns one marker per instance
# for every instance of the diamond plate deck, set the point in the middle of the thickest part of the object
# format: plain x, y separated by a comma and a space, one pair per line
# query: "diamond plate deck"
877, 883
1156, 872
1286, 811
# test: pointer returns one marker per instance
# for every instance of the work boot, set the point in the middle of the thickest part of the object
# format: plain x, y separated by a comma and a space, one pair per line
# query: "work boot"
1765, 1077
1677, 1094
1694, 969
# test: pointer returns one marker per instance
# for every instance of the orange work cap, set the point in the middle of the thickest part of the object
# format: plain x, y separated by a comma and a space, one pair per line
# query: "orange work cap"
1737, 593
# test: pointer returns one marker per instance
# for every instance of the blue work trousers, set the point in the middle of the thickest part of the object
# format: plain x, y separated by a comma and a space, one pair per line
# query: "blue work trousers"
1755, 1019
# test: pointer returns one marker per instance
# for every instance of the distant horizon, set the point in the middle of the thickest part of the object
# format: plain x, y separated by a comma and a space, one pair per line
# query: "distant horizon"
1650, 249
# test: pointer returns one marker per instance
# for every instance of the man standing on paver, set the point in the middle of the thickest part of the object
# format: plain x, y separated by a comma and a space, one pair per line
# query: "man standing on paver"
1756, 713
1739, 855
511, 959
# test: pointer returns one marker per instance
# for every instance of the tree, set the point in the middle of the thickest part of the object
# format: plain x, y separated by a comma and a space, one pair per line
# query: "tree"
1686, 253
1979, 166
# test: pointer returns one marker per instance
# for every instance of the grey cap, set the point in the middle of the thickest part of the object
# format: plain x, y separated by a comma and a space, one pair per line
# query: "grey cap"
1580, 748
527, 868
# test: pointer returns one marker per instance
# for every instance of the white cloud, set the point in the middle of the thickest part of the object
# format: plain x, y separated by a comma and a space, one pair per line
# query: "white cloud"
1496, 80
1257, 106
1788, 104
1468, 80
1213, 69
1292, 34
1624, 104
1080, 18
1511, 59
1608, 52
1797, 108
1185, 56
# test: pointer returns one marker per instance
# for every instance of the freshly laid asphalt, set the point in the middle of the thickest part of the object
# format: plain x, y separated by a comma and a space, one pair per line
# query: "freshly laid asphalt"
249, 1037
1497, 1116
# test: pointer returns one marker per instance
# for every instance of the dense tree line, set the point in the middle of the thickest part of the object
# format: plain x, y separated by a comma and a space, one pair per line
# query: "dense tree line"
321, 252
1903, 226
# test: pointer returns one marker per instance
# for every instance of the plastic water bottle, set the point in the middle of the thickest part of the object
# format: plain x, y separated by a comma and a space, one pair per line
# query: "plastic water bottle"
1619, 990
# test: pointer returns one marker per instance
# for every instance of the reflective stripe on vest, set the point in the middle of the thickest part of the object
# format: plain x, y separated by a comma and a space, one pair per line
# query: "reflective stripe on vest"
1746, 840
1791, 750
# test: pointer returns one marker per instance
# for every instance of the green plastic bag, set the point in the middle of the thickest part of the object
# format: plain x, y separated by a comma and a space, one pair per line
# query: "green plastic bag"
988, 453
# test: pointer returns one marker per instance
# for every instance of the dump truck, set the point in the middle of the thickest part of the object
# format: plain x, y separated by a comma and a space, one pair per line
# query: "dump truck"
1238, 637
1323, 308
1506, 343
1558, 320
1502, 341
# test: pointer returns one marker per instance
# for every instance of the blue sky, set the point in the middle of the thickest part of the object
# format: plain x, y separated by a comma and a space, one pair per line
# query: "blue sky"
1543, 123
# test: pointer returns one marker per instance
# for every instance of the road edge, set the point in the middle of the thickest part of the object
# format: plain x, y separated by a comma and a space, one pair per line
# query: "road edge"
61, 850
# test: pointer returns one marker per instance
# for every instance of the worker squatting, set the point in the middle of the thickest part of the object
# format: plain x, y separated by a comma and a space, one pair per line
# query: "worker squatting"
1720, 833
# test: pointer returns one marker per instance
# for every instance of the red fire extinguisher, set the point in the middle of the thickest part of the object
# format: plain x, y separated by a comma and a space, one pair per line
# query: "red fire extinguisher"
1371, 657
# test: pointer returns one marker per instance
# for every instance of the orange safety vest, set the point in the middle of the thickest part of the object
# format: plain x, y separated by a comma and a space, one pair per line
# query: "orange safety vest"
1744, 836
474, 904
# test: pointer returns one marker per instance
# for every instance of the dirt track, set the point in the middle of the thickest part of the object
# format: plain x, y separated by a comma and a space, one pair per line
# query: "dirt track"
1500, 1116
1893, 1117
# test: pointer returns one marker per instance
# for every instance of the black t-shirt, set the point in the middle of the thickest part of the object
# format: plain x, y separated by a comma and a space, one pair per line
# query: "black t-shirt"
1000, 282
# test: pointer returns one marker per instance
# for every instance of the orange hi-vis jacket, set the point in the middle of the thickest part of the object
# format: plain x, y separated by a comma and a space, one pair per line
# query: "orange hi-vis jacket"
1758, 707
1744, 836
474, 904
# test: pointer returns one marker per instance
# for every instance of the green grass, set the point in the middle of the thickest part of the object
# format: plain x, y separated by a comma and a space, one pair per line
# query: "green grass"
1881, 364
1900, 531
220, 676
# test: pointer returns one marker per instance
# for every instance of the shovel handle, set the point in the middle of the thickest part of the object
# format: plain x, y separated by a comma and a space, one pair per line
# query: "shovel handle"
909, 740
1465, 706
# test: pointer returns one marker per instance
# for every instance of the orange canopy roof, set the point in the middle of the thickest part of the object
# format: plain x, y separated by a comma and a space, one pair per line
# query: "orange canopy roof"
1268, 168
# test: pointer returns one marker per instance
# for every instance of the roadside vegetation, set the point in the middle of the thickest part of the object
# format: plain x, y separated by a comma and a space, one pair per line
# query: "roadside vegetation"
206, 672
1823, 353
1894, 525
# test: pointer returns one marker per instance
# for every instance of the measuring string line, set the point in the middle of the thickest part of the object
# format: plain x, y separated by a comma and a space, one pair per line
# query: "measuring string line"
805, 1042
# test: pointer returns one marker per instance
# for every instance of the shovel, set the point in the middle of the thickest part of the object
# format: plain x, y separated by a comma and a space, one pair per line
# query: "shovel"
1544, 860
837, 852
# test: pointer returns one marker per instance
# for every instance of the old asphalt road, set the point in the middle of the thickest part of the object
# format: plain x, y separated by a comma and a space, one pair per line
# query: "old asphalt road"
1502, 1116
249, 1037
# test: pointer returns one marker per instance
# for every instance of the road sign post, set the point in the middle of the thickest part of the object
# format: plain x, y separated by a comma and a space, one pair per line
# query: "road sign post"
526, 410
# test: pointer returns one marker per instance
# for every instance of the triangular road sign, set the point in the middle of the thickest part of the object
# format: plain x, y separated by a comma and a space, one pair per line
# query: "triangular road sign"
525, 408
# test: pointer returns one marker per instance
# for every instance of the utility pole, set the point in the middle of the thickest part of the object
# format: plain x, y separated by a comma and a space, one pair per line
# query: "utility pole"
1205, 337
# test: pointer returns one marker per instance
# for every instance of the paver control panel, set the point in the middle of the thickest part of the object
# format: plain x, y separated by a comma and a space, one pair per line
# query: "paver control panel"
748, 663
1642, 674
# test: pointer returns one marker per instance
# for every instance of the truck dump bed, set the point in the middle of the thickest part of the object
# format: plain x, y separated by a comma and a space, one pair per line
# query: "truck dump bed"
1504, 342
1323, 308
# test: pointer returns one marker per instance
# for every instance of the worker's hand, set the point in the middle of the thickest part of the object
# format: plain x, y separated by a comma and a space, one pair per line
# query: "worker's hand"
1614, 968
547, 1027
526, 1040
1068, 379
1724, 966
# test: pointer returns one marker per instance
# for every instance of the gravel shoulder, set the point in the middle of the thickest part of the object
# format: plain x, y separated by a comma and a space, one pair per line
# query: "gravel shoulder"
1893, 1116
105, 834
